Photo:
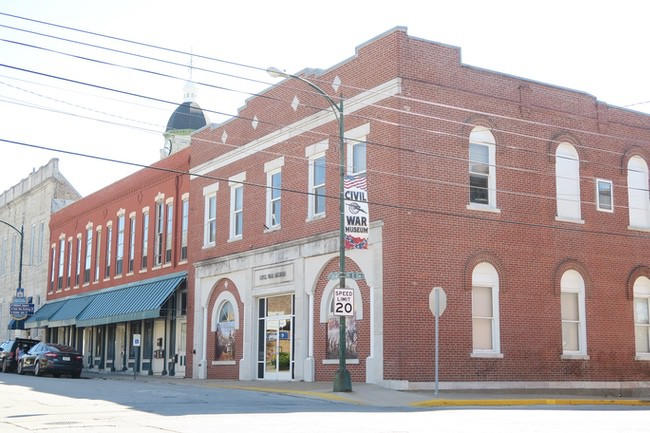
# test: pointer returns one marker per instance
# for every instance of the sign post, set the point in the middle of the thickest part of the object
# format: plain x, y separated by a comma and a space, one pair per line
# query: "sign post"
437, 305
136, 343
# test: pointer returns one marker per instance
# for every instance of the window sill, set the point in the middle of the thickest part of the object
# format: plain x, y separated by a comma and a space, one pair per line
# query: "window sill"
272, 229
577, 357
312, 218
238, 238
493, 355
224, 362
336, 361
483, 208
210, 245
639, 229
642, 357
569, 220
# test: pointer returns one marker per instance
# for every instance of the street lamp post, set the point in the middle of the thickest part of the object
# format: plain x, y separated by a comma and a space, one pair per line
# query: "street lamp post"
342, 381
20, 264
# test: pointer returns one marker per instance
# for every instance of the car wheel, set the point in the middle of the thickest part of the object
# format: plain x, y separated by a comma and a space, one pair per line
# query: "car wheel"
20, 368
5, 366
37, 369
76, 375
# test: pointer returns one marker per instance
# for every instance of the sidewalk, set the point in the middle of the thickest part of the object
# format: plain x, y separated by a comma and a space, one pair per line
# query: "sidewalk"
374, 395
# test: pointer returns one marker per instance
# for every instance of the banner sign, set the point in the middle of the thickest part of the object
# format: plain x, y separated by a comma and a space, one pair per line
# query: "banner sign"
21, 307
357, 220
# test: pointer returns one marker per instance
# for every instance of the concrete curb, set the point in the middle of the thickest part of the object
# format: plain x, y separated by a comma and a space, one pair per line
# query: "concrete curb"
530, 402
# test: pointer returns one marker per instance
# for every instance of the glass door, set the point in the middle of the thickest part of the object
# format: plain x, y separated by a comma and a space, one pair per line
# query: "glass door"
276, 338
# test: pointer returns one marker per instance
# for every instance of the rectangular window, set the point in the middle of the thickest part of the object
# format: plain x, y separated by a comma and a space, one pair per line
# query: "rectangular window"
185, 225
210, 226
41, 241
642, 324
131, 243
4, 256
119, 252
479, 171
604, 198
69, 273
570, 322
32, 246
61, 263
482, 319
274, 198
357, 158
145, 239
236, 211
169, 238
159, 231
317, 186
89, 249
13, 252
77, 279
53, 267
98, 252
109, 244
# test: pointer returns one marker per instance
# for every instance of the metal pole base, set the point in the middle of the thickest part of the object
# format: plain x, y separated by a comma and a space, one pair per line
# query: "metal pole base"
342, 381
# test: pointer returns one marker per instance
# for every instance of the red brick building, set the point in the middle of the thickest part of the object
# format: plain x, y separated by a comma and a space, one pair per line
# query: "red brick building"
119, 264
527, 203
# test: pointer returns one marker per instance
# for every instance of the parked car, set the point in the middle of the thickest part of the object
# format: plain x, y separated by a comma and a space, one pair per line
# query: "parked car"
51, 358
11, 350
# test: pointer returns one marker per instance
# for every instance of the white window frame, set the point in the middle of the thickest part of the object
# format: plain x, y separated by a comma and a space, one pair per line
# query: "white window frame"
185, 225
604, 207
637, 191
61, 262
236, 184
169, 231
481, 136
313, 153
119, 250
641, 329
567, 183
273, 195
357, 138
485, 276
210, 218
144, 254
572, 283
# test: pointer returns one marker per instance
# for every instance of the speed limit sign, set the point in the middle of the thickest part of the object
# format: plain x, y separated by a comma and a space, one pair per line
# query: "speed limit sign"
343, 302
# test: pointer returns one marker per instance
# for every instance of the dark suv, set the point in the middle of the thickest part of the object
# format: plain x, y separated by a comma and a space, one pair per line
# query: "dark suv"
11, 350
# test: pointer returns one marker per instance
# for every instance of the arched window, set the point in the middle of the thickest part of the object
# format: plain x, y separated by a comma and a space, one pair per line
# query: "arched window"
642, 316
637, 192
334, 335
567, 182
485, 311
482, 168
225, 333
574, 327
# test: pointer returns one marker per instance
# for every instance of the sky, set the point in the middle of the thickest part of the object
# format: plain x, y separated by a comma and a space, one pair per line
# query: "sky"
103, 112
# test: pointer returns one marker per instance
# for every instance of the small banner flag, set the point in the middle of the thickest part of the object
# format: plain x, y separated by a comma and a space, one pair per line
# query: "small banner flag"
357, 220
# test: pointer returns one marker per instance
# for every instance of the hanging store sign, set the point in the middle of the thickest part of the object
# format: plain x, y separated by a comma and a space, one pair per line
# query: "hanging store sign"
357, 220
21, 308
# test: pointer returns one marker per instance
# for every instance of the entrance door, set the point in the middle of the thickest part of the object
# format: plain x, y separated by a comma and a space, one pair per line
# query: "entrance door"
181, 354
276, 338
279, 339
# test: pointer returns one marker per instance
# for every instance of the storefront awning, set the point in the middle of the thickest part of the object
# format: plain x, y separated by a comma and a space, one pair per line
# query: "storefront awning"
138, 301
67, 314
135, 301
15, 325
42, 316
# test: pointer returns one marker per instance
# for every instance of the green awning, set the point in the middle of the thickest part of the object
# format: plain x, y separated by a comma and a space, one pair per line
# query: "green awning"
67, 314
42, 316
137, 301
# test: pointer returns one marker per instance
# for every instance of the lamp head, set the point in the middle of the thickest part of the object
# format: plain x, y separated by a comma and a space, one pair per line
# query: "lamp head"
276, 73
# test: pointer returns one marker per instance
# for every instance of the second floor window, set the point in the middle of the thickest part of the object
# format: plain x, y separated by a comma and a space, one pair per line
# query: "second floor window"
61, 262
119, 252
89, 252
109, 242
210, 226
159, 230
482, 178
317, 186
145, 239
169, 239
236, 211
185, 225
